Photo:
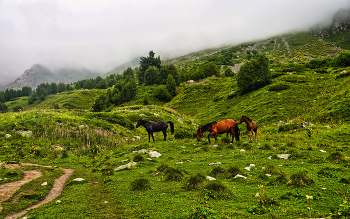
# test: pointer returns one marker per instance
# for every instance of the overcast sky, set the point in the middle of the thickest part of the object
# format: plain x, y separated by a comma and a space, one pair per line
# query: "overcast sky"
102, 34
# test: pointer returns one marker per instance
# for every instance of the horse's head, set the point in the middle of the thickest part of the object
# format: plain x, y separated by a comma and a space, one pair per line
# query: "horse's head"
199, 133
241, 120
139, 123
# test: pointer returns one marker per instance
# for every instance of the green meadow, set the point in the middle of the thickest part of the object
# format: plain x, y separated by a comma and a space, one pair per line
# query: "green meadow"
291, 171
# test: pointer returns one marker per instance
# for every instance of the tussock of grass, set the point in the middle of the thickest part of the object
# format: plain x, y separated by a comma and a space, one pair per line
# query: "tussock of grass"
140, 184
300, 179
194, 182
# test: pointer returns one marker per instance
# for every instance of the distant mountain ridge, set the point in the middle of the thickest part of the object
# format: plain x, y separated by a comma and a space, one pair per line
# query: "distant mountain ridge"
39, 74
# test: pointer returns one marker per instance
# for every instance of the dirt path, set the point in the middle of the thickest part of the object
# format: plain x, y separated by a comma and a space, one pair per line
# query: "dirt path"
8, 189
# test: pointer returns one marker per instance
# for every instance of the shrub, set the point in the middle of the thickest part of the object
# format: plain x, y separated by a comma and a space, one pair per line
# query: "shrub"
218, 171
337, 157
163, 94
216, 187
266, 147
137, 158
141, 184
194, 182
288, 127
162, 167
254, 74
300, 179
183, 133
233, 171
172, 174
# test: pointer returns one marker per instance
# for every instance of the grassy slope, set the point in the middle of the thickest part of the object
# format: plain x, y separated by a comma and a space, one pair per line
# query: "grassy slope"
319, 98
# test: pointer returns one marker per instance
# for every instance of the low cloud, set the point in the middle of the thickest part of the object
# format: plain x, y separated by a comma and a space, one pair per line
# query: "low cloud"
100, 35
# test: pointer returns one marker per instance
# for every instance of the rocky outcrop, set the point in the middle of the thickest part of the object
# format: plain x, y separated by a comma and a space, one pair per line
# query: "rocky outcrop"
39, 74
340, 23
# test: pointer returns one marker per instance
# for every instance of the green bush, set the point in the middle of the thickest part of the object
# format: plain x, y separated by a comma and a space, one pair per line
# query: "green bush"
194, 182
141, 184
163, 94
183, 133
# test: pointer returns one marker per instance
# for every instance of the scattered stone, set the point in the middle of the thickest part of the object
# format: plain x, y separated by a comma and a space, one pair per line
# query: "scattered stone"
210, 178
247, 168
154, 154
78, 179
106, 202
126, 166
257, 194
58, 201
240, 176
323, 151
8, 136
215, 163
25, 133
44, 184
180, 162
283, 156
214, 146
242, 150
268, 174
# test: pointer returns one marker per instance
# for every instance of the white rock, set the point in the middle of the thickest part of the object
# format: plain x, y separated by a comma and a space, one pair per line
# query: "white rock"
154, 154
126, 166
78, 179
242, 150
283, 156
8, 136
210, 178
252, 165
240, 176
323, 151
215, 163
58, 201
44, 184
247, 168
268, 174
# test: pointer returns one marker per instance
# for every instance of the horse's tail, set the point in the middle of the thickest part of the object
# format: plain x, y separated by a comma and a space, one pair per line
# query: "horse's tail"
237, 133
171, 127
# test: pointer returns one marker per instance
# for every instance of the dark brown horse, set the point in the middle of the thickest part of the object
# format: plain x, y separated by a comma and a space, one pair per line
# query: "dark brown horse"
227, 126
252, 126
155, 127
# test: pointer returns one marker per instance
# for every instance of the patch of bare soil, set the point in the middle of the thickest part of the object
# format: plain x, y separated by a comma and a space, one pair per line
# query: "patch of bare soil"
6, 190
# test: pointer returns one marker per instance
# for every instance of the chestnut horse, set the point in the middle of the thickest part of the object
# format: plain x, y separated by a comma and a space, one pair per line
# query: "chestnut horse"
227, 126
155, 127
251, 126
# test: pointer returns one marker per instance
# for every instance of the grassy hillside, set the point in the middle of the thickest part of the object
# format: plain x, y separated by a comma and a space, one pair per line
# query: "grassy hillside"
252, 180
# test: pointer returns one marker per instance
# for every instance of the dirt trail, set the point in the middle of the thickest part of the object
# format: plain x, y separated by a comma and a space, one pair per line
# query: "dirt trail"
6, 190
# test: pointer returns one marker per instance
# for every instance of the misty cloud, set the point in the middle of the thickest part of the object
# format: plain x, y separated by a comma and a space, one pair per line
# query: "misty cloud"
100, 35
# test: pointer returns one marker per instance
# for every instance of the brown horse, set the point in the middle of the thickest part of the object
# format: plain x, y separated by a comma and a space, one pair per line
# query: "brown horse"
251, 126
227, 126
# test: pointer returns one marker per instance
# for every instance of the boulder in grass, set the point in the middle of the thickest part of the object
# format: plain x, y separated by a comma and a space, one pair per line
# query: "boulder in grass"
154, 154
126, 166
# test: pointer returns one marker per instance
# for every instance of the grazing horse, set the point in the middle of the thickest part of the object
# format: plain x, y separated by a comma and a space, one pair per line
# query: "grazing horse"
155, 127
227, 126
251, 126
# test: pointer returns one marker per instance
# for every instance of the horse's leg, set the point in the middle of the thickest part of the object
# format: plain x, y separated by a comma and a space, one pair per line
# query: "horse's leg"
152, 136
232, 131
251, 136
149, 137
209, 137
164, 133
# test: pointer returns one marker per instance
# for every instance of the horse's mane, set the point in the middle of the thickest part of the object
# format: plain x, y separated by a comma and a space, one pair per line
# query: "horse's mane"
247, 119
206, 126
